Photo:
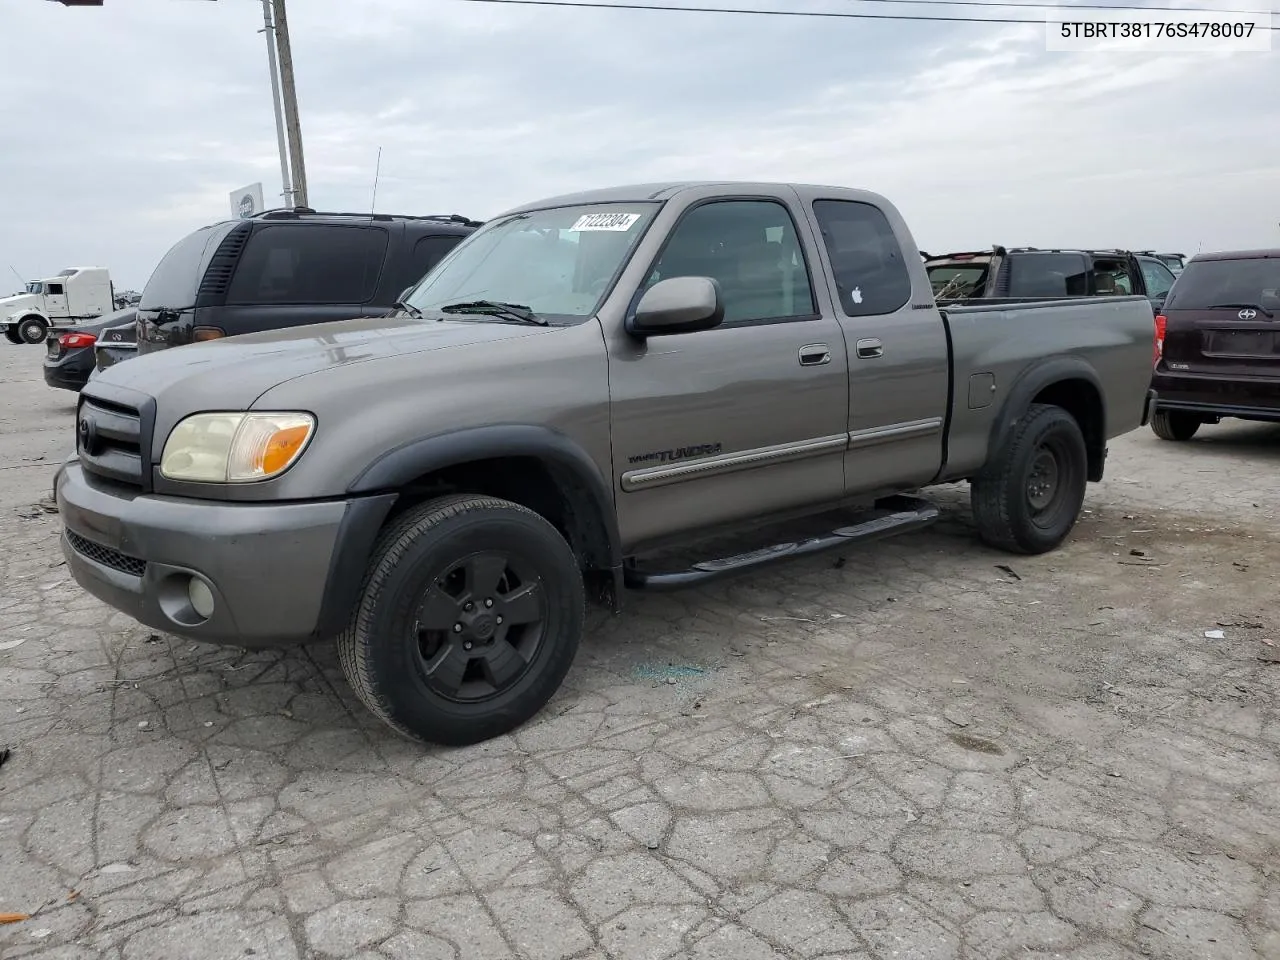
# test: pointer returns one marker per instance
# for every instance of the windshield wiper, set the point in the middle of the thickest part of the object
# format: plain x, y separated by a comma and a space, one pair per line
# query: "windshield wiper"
408, 308
1244, 306
496, 308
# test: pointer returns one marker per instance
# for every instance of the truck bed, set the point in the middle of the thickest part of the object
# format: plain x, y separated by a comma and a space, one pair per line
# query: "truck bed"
996, 345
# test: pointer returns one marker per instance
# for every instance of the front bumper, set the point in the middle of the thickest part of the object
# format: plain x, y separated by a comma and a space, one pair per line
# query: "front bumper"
268, 566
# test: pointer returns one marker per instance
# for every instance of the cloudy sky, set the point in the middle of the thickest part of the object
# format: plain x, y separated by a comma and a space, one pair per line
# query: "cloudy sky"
126, 126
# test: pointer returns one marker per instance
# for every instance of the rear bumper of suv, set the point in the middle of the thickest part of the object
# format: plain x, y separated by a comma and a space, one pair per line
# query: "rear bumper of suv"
1247, 398
278, 573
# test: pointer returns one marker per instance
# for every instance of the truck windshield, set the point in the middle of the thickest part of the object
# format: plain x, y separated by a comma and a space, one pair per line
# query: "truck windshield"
559, 263
1226, 284
35, 287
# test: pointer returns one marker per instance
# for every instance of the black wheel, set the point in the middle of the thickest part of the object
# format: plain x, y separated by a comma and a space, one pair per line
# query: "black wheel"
1172, 425
1028, 500
32, 330
469, 619
11, 335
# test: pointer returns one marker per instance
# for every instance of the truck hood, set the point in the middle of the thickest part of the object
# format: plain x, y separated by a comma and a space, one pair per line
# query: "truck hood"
21, 301
231, 374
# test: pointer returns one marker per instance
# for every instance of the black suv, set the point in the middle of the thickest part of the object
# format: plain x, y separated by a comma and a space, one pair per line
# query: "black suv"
1030, 273
283, 268
1218, 340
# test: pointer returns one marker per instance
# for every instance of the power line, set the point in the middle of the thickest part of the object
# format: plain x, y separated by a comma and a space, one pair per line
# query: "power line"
1060, 6
818, 14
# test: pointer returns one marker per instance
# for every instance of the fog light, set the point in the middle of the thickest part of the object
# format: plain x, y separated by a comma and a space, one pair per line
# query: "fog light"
201, 597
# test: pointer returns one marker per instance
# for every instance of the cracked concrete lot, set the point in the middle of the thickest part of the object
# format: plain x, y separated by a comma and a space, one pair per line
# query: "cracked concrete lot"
921, 749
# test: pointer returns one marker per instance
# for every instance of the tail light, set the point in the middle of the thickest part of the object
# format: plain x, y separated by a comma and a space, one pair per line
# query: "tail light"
200, 334
1161, 322
73, 341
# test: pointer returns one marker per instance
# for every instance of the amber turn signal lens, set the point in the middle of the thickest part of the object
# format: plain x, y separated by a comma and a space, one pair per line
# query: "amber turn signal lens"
200, 334
282, 447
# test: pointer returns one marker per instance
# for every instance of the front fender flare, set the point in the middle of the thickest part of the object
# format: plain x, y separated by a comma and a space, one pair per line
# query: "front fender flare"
416, 458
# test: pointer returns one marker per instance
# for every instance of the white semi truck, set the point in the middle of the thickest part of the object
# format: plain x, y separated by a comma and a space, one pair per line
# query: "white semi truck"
74, 295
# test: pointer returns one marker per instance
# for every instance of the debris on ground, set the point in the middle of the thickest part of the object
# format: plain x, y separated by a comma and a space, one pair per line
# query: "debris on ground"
1004, 567
956, 716
1214, 635
4, 755
14, 917
1242, 624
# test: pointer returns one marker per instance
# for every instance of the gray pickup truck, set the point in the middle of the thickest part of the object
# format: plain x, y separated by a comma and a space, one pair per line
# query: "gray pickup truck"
581, 383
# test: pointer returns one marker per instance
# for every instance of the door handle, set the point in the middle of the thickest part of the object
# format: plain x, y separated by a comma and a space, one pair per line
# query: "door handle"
869, 348
814, 354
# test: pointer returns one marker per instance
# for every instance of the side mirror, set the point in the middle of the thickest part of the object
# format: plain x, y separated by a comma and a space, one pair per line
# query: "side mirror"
678, 305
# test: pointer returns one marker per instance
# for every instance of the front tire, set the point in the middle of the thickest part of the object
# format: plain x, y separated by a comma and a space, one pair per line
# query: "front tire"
470, 616
1174, 425
32, 330
1029, 498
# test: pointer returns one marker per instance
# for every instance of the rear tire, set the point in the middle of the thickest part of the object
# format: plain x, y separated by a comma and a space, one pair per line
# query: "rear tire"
1174, 425
32, 330
1029, 498
11, 335
470, 616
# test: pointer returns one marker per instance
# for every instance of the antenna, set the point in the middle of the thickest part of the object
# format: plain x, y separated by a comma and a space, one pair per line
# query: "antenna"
18, 275
376, 171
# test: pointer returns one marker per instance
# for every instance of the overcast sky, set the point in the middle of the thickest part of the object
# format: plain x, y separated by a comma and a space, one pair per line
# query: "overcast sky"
126, 126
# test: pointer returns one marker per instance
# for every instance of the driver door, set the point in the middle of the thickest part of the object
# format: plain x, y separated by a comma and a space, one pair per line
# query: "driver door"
748, 418
55, 300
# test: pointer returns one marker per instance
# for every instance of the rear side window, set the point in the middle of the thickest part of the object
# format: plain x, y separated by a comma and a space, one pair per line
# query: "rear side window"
957, 279
1048, 275
1204, 284
427, 252
1157, 276
174, 282
313, 263
871, 275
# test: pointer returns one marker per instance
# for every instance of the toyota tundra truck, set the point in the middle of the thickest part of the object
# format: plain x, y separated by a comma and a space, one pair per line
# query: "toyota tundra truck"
580, 384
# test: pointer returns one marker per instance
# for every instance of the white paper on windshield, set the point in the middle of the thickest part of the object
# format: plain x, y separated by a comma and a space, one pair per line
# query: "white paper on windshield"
619, 222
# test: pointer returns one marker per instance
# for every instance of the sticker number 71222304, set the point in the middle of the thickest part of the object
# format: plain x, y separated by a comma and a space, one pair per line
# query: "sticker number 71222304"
620, 222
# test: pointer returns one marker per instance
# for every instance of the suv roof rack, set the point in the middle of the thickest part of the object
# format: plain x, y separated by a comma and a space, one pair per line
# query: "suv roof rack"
996, 250
294, 213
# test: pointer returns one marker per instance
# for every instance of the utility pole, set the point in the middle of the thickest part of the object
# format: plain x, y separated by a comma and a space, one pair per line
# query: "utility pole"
289, 97
269, 31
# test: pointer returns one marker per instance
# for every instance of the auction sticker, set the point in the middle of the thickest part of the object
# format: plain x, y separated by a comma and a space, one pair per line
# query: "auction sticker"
620, 222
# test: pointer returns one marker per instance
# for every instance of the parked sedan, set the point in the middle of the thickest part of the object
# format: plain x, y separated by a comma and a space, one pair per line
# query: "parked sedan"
69, 357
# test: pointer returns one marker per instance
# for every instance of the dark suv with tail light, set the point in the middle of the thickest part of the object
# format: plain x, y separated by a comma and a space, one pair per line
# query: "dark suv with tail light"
286, 268
1218, 342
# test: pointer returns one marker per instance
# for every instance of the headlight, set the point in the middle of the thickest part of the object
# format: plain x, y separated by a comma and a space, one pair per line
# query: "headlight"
235, 447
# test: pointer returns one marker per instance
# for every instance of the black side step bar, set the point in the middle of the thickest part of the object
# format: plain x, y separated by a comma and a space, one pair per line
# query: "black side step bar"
889, 517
